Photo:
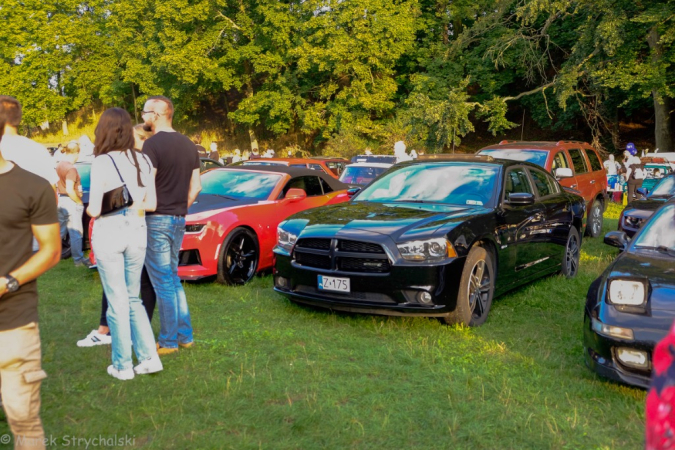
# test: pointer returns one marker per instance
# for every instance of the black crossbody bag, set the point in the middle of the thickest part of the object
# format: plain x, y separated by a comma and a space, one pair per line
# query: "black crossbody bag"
118, 198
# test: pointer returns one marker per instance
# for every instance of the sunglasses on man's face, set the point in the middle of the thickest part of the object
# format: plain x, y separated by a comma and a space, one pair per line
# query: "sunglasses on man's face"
150, 112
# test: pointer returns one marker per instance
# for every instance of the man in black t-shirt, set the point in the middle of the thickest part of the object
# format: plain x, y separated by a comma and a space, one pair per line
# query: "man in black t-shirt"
27, 209
176, 172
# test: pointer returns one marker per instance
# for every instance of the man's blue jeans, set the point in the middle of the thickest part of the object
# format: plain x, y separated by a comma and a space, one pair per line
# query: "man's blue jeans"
70, 221
165, 236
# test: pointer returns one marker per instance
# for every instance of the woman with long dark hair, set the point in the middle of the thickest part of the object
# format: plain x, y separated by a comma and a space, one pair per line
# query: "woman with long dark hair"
119, 239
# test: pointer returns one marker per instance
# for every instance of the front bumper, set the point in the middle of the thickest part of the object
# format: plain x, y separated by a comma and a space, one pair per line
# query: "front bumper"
393, 293
600, 353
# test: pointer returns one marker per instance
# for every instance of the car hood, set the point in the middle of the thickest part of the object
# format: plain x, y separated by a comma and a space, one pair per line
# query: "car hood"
658, 268
400, 221
211, 202
643, 208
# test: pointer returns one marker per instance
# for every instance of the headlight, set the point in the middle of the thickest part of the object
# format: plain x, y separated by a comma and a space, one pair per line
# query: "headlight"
627, 292
285, 239
194, 228
429, 250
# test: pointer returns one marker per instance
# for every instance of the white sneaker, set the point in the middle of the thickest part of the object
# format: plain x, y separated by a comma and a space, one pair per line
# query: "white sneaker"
95, 338
123, 375
150, 365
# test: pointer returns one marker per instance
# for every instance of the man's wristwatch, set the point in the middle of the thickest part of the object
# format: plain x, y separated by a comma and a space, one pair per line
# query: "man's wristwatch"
12, 283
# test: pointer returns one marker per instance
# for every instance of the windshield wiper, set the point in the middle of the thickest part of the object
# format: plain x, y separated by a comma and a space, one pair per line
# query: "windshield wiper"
658, 248
226, 197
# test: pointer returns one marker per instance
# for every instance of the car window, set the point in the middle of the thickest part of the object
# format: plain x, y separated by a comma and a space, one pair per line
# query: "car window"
209, 165
516, 182
595, 161
544, 183
537, 157
560, 161
317, 167
311, 185
578, 161
299, 165
326, 187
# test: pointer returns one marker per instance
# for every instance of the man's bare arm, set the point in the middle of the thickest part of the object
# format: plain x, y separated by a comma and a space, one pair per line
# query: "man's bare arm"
195, 187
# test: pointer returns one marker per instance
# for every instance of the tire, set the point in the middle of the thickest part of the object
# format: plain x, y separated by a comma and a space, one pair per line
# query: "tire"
474, 300
570, 259
239, 257
594, 223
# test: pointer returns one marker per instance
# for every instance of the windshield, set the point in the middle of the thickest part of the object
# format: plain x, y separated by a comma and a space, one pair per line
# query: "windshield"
658, 231
455, 183
665, 188
239, 183
361, 175
537, 157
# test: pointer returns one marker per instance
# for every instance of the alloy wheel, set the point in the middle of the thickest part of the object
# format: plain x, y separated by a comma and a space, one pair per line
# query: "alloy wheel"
572, 255
479, 289
241, 260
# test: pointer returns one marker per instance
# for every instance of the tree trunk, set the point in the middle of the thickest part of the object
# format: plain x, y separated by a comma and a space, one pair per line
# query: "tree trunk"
64, 127
662, 125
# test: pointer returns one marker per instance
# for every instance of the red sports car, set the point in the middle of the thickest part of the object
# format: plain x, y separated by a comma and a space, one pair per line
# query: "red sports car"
232, 226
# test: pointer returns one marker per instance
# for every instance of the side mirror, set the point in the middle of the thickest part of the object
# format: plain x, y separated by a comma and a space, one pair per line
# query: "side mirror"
617, 239
642, 191
353, 191
295, 195
520, 199
563, 172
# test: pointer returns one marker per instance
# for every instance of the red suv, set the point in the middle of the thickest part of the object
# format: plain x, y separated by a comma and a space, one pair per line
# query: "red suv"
575, 164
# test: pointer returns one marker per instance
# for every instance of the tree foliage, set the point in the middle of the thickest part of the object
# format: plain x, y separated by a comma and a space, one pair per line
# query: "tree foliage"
354, 71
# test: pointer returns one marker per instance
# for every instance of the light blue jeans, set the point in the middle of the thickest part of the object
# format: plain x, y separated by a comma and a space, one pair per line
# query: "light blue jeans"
70, 221
165, 236
120, 241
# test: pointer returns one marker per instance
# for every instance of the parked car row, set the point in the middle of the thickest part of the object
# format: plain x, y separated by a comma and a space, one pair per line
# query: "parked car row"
441, 236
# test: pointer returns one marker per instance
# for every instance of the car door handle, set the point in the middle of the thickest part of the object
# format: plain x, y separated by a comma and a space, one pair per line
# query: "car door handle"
592, 181
574, 186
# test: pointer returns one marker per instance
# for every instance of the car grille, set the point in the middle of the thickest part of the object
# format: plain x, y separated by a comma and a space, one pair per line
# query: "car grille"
359, 247
363, 265
312, 260
341, 254
319, 244
372, 297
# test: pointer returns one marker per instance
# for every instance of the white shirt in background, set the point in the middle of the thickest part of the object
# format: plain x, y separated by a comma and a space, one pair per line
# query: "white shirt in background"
30, 156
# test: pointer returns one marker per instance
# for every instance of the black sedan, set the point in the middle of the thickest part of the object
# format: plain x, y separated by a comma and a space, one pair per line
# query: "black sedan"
637, 213
436, 238
631, 306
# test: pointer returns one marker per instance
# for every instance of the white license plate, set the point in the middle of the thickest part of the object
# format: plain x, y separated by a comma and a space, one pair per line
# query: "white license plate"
333, 284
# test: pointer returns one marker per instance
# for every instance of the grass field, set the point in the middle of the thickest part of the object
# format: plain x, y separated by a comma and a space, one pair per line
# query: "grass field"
266, 373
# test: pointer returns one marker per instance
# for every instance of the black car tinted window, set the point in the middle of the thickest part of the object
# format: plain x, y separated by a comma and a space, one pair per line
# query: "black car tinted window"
311, 185
595, 161
326, 187
578, 160
517, 182
544, 183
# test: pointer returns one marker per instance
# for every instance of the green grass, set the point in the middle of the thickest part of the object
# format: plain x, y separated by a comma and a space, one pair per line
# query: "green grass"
267, 373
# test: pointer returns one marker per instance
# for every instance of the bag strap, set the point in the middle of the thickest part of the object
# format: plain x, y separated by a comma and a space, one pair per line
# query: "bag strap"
118, 171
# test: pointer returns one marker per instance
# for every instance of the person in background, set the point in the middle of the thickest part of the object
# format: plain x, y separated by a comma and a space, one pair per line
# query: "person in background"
86, 148
101, 336
255, 153
236, 157
214, 154
70, 203
200, 149
657, 173
612, 167
634, 170
245, 155
368, 151
119, 239
413, 154
25, 213
176, 169
26, 153
399, 152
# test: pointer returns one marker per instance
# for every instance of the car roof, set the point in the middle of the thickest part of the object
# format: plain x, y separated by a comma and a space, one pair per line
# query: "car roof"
370, 164
534, 145
471, 158
292, 171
